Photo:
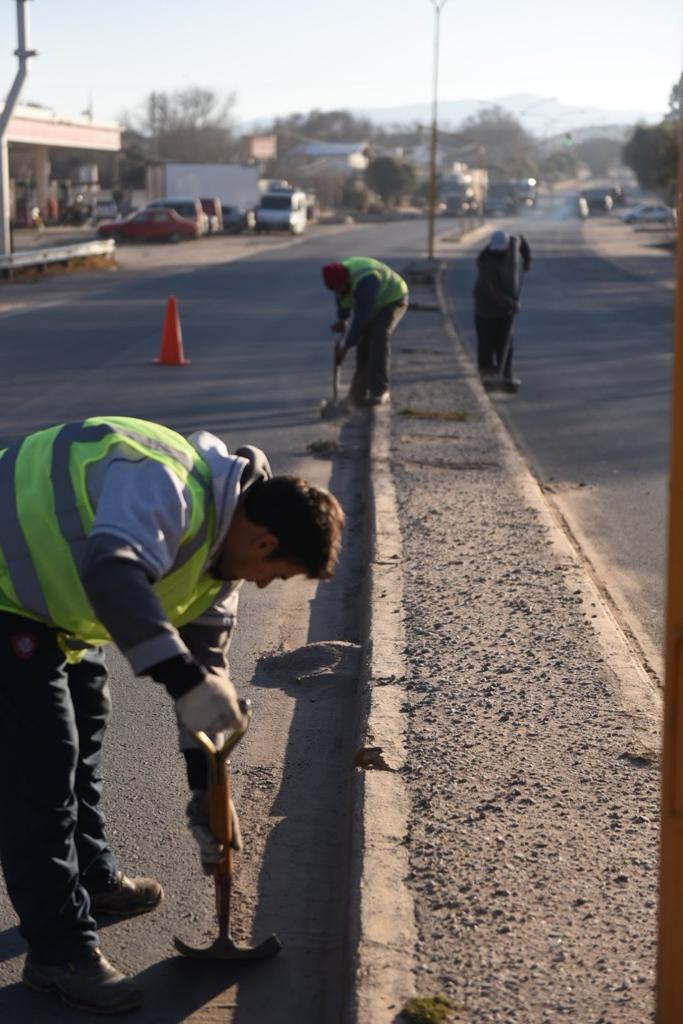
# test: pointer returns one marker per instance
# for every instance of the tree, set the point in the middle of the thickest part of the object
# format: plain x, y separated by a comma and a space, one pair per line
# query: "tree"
652, 154
390, 178
600, 154
501, 142
563, 163
675, 100
325, 125
190, 125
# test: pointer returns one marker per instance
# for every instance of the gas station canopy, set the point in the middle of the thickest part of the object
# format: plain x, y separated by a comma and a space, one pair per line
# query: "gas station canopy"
40, 126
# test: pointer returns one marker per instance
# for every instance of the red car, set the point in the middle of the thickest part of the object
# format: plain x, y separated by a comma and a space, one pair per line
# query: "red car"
149, 225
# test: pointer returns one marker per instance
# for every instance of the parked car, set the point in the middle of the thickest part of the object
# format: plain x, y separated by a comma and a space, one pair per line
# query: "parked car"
282, 209
501, 200
599, 199
236, 219
213, 210
104, 209
150, 224
190, 209
650, 213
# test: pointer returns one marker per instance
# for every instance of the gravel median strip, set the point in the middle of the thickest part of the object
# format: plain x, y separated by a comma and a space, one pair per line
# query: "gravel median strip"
529, 735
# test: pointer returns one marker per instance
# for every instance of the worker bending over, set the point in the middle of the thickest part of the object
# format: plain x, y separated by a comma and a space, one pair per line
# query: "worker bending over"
118, 529
375, 297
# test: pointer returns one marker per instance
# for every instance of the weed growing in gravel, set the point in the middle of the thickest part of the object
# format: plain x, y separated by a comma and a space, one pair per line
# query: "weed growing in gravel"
457, 416
323, 447
427, 1010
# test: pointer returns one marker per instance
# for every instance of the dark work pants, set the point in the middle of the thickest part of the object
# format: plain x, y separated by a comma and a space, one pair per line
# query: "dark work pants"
492, 335
373, 353
53, 717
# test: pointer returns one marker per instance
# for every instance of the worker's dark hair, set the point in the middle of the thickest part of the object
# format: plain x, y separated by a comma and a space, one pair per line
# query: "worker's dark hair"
306, 520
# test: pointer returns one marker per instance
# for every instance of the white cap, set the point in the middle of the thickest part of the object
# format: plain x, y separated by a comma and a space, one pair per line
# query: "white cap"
499, 241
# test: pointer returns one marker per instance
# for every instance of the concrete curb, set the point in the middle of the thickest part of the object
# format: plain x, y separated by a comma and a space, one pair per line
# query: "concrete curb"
383, 931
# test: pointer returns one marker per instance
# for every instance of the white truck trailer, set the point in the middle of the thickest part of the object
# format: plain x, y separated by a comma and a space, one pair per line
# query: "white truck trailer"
233, 184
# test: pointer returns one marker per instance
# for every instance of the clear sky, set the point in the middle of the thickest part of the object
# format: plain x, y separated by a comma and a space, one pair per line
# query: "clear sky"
281, 56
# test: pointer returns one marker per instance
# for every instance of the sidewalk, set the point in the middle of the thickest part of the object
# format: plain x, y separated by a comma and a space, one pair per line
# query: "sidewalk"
509, 822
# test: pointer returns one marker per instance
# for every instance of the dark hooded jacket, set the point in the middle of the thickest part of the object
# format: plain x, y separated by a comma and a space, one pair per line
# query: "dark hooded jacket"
499, 278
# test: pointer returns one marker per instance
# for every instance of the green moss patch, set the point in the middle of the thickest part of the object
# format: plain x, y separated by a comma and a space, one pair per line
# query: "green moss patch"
427, 1010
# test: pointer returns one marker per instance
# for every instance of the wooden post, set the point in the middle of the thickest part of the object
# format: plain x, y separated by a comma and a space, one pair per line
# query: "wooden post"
670, 955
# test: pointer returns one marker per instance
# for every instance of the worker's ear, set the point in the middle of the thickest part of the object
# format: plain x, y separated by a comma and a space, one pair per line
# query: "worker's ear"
265, 544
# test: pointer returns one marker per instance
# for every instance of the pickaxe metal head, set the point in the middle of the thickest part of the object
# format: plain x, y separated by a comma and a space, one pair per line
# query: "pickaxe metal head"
223, 948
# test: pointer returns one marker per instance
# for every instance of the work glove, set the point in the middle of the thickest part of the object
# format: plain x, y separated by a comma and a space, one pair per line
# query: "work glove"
338, 326
211, 851
211, 706
340, 351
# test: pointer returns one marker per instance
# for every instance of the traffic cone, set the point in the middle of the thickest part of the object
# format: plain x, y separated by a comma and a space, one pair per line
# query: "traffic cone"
172, 338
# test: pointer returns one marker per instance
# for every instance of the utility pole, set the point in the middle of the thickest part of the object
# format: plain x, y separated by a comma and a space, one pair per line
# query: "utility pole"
670, 950
23, 53
438, 7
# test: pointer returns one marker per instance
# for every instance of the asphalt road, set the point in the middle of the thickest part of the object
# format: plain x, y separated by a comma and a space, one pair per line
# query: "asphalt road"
594, 350
257, 333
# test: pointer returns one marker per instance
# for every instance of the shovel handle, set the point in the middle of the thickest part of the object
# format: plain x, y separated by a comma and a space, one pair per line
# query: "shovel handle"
222, 752
335, 383
219, 789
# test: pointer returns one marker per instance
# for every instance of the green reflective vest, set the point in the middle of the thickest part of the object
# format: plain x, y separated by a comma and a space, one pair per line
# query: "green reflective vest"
46, 517
392, 287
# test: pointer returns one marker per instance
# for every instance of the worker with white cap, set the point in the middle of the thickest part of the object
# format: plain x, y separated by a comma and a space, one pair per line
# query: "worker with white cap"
501, 266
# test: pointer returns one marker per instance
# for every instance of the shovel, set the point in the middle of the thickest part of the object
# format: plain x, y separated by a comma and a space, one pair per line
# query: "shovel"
334, 409
220, 823
499, 382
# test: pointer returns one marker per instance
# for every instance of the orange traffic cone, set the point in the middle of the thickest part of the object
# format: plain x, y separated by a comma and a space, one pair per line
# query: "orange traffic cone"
172, 338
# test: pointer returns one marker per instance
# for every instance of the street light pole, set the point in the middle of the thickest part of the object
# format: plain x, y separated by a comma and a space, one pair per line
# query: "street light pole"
22, 52
438, 7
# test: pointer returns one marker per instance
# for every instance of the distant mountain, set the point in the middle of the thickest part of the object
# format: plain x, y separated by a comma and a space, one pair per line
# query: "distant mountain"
540, 115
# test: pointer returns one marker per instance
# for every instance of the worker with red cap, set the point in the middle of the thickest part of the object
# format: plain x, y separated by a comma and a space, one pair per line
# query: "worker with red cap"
374, 297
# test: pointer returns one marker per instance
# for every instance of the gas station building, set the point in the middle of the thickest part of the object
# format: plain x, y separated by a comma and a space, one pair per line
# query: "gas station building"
38, 138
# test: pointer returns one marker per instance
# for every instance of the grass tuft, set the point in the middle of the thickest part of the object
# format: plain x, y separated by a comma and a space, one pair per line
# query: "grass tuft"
323, 446
455, 416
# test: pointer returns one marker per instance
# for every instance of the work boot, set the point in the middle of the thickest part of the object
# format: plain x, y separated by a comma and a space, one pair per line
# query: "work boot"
125, 896
88, 983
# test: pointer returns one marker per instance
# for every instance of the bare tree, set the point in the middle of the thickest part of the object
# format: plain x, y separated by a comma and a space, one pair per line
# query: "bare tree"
189, 125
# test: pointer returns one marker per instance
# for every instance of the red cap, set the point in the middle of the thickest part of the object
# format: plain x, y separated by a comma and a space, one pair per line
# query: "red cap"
335, 276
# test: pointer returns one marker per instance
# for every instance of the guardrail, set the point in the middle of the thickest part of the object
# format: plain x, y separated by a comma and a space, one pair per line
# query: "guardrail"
25, 258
